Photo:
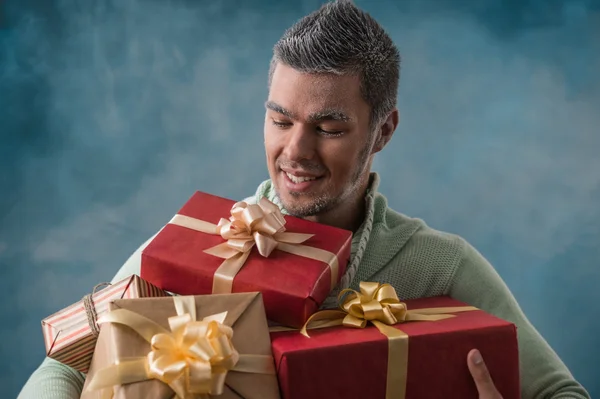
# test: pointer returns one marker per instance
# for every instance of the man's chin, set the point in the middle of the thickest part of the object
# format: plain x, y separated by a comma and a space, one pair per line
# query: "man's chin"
302, 208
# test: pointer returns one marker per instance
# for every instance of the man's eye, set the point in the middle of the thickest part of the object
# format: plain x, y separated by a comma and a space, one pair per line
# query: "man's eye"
330, 133
281, 124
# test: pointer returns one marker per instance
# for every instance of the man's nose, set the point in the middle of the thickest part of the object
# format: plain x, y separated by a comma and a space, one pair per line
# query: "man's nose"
300, 144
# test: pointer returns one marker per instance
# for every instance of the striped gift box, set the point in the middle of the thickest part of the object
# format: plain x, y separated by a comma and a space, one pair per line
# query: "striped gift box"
67, 333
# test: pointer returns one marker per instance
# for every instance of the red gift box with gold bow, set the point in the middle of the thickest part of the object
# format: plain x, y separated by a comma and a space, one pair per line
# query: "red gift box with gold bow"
377, 347
215, 246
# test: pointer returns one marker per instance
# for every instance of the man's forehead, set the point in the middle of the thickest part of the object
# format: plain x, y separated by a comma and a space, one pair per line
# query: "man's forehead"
315, 93
315, 114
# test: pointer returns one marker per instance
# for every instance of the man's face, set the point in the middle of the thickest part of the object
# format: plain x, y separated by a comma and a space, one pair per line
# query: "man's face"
317, 140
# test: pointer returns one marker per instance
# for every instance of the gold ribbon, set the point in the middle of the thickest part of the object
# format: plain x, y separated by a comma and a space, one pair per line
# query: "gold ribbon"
261, 225
378, 303
193, 358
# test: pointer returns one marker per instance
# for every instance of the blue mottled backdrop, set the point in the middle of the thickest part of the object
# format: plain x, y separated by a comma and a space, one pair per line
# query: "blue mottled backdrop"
113, 112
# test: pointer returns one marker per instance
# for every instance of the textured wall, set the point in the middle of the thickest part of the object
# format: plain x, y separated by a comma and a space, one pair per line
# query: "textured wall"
113, 112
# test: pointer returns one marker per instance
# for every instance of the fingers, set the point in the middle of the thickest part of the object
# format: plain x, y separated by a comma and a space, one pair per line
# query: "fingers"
481, 376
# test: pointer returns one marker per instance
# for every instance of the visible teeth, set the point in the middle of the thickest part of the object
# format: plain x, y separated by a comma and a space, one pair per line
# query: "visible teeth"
297, 179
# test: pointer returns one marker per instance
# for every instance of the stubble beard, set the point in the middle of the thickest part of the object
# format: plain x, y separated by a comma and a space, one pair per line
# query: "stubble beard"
328, 200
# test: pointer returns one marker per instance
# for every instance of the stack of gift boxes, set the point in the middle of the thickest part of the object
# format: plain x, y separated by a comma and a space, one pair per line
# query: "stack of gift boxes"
227, 306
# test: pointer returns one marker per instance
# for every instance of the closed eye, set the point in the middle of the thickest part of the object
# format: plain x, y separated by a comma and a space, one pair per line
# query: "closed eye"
330, 133
281, 124
327, 133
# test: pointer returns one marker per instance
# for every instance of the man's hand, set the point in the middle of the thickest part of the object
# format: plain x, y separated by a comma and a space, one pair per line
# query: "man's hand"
481, 376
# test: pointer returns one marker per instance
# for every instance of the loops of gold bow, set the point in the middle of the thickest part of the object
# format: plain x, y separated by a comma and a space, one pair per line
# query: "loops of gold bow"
193, 358
253, 224
376, 303
261, 225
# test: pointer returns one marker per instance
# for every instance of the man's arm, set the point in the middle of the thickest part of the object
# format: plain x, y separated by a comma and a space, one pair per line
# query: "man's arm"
543, 374
54, 380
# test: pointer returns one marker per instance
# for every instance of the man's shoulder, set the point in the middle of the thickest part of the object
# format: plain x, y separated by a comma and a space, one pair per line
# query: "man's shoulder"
427, 261
438, 238
420, 231
429, 244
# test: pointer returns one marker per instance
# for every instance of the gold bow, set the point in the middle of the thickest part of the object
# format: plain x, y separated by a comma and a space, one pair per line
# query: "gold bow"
193, 358
376, 303
379, 304
261, 225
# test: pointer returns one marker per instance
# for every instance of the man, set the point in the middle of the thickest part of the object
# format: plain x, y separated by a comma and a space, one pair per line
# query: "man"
331, 107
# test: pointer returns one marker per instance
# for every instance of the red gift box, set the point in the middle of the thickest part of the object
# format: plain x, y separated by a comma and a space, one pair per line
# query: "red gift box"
293, 286
342, 362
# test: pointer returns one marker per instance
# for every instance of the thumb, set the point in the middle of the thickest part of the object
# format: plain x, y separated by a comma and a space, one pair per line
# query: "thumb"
481, 376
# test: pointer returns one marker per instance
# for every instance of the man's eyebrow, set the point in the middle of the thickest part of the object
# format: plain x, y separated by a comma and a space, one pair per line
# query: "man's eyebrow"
329, 115
279, 109
324, 115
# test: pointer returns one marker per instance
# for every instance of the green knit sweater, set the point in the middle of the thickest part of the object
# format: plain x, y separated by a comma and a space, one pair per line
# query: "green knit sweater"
419, 262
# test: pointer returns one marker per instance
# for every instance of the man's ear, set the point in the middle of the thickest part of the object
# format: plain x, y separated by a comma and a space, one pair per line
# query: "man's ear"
386, 130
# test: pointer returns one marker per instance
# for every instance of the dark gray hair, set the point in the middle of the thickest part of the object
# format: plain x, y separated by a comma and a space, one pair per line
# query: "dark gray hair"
342, 39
